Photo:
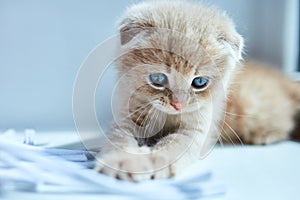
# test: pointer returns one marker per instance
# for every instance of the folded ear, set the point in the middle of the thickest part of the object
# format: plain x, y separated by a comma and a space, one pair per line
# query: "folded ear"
129, 28
234, 41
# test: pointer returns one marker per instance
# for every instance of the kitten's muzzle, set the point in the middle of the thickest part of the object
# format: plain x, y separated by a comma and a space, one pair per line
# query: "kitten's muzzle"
179, 99
177, 105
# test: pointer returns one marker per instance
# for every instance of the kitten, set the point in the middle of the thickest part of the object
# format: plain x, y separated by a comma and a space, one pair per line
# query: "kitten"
179, 67
178, 61
262, 106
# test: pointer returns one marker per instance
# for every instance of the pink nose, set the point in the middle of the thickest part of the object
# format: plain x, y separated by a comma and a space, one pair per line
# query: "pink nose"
177, 105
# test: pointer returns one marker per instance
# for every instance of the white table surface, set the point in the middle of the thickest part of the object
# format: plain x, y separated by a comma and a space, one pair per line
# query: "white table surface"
249, 172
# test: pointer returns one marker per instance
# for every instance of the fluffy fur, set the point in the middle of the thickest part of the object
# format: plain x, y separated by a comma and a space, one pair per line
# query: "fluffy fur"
157, 131
262, 106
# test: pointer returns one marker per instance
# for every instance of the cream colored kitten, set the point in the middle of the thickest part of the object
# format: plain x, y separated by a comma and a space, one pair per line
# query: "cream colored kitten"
177, 64
262, 106
180, 64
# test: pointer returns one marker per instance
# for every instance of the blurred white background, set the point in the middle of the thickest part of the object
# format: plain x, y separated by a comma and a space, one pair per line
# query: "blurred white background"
44, 42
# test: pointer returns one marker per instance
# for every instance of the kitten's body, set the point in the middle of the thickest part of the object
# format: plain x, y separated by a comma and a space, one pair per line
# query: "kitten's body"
262, 106
159, 129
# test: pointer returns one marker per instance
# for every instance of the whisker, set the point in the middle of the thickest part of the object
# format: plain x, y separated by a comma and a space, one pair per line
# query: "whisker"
234, 132
228, 136
198, 126
140, 116
154, 121
147, 128
141, 106
239, 115
142, 98
221, 137
221, 141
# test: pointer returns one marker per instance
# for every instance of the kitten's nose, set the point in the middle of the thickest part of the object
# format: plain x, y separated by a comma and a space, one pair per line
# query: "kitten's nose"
176, 104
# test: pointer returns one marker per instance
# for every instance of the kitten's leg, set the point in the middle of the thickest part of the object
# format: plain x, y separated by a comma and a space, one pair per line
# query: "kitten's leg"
269, 131
267, 137
177, 151
128, 161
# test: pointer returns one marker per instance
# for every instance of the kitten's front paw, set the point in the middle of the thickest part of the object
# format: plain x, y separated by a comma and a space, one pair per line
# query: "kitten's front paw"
134, 167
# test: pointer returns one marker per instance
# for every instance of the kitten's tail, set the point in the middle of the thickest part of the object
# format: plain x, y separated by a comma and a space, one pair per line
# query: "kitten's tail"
295, 95
298, 92
294, 90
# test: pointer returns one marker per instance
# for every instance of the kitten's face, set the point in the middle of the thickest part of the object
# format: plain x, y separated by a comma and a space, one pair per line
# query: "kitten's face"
168, 82
172, 91
178, 92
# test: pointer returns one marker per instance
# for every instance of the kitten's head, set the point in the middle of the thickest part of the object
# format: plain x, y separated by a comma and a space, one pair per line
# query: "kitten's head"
177, 55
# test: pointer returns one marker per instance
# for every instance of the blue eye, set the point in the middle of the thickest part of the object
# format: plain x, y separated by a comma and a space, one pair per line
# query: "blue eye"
158, 79
200, 82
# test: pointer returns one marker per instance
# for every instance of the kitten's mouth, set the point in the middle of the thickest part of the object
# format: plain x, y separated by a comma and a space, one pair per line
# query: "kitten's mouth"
174, 109
165, 109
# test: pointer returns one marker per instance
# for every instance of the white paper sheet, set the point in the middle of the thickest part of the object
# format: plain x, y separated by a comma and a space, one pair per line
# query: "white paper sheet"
37, 169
